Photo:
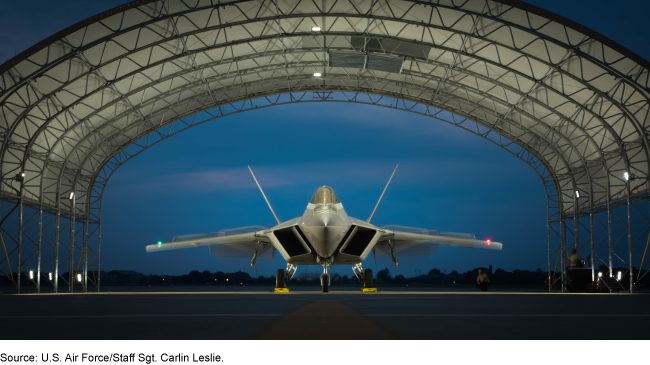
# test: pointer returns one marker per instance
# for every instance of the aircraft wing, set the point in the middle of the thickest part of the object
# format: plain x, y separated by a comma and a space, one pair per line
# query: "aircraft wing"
408, 238
225, 243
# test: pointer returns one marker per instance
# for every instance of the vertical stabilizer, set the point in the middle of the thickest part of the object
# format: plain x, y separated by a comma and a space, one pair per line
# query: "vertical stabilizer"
382, 195
267, 201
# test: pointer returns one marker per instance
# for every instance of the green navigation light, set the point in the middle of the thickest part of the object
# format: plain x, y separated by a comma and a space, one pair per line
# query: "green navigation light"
159, 243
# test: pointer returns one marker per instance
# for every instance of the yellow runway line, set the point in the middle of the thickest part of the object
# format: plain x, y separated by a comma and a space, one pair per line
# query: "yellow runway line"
333, 293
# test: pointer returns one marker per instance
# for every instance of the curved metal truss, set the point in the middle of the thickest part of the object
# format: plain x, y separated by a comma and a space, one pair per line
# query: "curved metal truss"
75, 106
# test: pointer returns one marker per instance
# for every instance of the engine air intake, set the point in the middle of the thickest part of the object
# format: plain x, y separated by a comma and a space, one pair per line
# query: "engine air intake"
290, 241
359, 241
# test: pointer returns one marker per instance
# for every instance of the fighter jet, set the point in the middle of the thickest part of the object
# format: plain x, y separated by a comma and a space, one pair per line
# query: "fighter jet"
324, 235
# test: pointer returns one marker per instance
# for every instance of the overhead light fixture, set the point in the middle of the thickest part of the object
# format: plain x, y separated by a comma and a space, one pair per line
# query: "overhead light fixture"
619, 276
22, 174
315, 29
629, 176
79, 277
317, 74
31, 275
577, 194
71, 196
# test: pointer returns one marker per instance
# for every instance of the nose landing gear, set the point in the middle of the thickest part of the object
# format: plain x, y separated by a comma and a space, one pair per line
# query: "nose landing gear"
325, 280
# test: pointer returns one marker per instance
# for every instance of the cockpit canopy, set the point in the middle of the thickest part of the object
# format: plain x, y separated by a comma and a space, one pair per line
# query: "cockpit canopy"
324, 195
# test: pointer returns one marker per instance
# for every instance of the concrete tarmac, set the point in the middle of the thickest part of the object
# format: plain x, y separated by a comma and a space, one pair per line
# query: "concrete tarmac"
305, 314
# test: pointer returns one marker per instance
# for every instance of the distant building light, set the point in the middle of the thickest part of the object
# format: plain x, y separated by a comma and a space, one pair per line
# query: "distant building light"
577, 194
31, 275
619, 275
315, 29
317, 74
50, 276
79, 277
600, 274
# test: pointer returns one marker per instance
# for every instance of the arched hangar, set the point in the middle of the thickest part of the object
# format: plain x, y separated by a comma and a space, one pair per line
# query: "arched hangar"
569, 102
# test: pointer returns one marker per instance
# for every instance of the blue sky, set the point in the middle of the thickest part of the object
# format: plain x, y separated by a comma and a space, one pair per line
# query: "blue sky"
197, 181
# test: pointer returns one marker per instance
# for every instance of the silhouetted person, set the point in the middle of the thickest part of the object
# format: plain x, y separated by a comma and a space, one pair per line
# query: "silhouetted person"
574, 259
482, 281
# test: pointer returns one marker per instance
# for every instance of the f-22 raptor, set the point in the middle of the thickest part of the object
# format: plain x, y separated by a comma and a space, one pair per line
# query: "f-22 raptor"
324, 235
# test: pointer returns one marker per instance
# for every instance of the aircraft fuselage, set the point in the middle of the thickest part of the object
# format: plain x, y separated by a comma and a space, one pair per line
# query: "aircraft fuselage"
324, 234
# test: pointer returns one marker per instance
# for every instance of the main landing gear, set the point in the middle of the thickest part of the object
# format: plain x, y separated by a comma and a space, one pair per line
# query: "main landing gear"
366, 279
281, 280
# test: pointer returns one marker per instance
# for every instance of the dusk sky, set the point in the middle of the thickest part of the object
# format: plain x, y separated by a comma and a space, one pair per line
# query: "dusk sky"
197, 181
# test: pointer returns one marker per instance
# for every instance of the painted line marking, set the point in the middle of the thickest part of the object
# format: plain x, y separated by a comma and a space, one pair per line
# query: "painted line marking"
146, 315
512, 315
369, 315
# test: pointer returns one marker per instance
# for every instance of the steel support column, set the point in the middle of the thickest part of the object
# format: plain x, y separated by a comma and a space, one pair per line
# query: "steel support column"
99, 244
71, 277
548, 237
609, 233
629, 236
19, 270
592, 239
57, 223
562, 257
38, 248
85, 253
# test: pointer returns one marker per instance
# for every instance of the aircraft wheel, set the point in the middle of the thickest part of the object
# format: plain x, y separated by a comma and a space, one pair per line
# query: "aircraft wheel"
279, 278
367, 282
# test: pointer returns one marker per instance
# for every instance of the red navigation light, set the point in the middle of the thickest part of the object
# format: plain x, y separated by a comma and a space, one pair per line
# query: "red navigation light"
488, 241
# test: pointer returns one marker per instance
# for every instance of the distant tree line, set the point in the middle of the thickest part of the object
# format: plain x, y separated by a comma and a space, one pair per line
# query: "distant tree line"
382, 277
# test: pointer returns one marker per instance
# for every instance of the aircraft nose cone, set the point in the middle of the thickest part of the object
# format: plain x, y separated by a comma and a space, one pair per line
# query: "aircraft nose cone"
322, 220
325, 231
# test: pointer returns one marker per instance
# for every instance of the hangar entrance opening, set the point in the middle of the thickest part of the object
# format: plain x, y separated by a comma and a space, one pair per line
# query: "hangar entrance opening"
564, 99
